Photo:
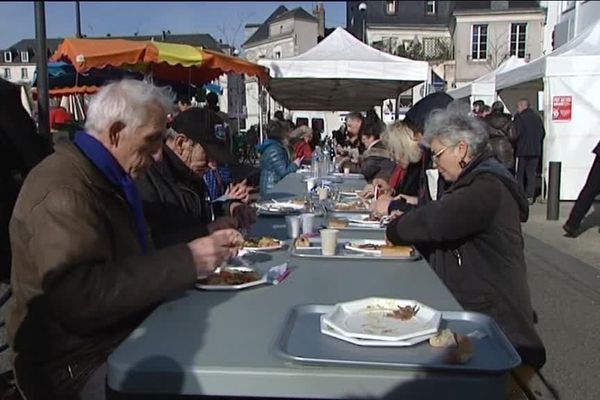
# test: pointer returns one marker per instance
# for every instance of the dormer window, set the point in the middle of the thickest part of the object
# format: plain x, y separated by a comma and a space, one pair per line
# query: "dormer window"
25, 56
7, 56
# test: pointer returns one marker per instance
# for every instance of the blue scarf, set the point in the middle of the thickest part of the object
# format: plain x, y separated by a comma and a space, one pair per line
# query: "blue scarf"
114, 173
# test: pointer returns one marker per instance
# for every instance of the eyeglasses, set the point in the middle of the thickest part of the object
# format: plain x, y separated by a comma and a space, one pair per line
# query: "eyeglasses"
436, 156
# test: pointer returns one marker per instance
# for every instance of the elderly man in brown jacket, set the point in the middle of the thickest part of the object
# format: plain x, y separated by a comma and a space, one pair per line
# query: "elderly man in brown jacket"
84, 271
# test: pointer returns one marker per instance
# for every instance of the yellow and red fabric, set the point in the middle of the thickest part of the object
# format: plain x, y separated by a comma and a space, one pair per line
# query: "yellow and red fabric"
169, 61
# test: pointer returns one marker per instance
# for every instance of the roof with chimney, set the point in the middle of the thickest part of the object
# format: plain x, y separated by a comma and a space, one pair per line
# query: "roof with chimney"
280, 14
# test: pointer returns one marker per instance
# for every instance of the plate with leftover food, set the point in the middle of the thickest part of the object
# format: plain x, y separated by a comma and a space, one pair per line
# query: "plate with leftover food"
262, 243
377, 318
232, 278
379, 248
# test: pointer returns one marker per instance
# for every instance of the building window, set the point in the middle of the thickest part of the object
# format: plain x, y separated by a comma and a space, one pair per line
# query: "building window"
24, 56
24, 73
479, 42
390, 7
277, 54
430, 7
7, 56
7, 73
518, 39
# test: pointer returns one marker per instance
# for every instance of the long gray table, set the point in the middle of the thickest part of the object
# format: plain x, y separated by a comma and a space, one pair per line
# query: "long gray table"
221, 343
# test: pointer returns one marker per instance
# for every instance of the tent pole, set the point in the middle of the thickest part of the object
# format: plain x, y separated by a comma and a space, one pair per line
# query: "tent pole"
43, 104
260, 112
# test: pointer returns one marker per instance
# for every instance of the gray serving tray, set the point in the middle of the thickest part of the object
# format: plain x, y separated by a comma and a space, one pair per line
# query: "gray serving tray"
343, 253
301, 341
346, 215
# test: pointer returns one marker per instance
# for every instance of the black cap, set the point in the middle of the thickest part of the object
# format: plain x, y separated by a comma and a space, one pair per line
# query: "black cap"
418, 113
205, 127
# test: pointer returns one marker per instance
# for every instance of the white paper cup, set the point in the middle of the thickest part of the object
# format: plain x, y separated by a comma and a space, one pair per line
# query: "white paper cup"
308, 223
310, 184
323, 193
293, 225
328, 241
346, 171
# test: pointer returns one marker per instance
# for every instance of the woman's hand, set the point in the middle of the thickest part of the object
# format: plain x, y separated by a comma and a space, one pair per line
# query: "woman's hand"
298, 161
383, 185
239, 191
381, 205
412, 200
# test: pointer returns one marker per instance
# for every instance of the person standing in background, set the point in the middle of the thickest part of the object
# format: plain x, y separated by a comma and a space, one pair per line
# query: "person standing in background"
586, 197
530, 135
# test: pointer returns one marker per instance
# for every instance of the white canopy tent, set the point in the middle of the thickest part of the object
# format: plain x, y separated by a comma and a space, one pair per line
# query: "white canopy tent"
484, 87
570, 79
341, 73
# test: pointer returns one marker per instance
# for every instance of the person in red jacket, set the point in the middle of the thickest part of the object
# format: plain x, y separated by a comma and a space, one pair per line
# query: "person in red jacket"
301, 138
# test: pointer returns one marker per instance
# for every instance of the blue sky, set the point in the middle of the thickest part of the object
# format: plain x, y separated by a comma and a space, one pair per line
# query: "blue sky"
125, 18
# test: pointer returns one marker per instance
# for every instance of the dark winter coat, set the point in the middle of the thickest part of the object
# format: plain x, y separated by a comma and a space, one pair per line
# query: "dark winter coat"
376, 163
474, 230
275, 164
530, 133
177, 206
80, 281
500, 129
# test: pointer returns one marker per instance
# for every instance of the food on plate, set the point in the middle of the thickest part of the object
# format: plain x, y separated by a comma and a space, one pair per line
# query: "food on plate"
261, 242
404, 313
368, 246
230, 277
372, 217
301, 241
460, 348
353, 206
396, 251
337, 223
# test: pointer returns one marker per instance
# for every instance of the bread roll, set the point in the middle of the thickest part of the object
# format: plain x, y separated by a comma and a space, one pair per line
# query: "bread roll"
396, 251
445, 338
302, 241
337, 223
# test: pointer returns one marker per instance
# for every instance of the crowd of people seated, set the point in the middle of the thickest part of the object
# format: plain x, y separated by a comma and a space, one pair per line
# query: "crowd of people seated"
144, 190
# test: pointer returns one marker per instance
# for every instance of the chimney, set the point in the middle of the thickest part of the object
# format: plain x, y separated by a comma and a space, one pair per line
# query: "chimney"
319, 13
499, 5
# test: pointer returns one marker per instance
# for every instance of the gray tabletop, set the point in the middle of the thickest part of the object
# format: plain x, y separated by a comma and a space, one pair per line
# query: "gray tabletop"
221, 343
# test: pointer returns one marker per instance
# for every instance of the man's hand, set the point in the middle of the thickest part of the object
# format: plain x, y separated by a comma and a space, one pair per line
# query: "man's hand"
381, 205
223, 223
239, 191
211, 251
243, 214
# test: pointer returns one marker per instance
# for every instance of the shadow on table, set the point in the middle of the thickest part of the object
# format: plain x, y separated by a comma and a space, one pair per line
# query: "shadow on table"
277, 196
161, 375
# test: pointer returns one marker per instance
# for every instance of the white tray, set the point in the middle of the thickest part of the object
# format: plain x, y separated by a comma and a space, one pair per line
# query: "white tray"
368, 319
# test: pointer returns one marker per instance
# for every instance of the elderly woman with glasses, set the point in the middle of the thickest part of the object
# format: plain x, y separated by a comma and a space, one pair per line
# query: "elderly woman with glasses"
473, 232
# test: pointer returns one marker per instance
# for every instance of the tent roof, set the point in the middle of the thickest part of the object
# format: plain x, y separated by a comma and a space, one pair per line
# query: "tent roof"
580, 56
341, 73
486, 81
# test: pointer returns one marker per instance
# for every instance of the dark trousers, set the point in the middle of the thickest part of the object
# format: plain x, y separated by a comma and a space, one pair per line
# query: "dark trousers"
526, 171
586, 197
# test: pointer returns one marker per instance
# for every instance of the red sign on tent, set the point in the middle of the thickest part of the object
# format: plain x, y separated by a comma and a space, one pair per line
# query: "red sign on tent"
561, 108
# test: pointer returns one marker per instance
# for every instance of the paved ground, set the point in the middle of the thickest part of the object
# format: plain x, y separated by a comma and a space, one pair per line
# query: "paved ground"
564, 276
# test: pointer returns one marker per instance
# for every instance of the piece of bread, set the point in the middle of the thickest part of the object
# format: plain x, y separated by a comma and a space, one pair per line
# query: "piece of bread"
444, 338
301, 241
337, 223
396, 251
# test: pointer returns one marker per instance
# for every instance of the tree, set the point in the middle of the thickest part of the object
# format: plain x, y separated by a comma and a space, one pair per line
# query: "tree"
230, 32
498, 50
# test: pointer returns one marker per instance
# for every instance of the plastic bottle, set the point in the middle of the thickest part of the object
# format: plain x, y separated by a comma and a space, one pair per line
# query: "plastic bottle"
326, 160
315, 164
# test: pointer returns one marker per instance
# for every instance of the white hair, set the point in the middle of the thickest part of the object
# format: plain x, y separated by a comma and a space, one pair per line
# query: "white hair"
125, 101
451, 126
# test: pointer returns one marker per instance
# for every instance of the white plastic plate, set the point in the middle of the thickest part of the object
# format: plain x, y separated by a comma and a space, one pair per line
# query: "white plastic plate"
261, 281
355, 243
370, 319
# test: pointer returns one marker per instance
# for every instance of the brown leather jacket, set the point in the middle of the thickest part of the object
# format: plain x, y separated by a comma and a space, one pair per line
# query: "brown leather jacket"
80, 282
